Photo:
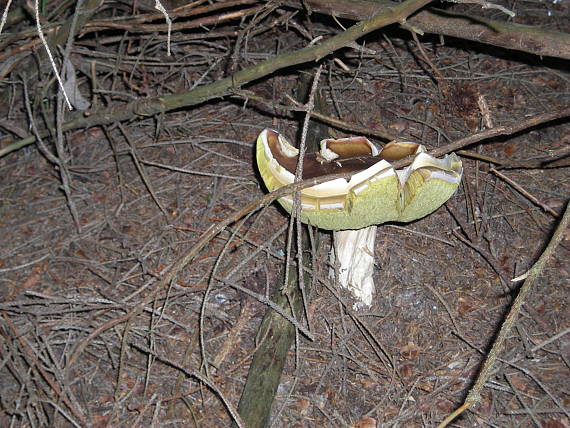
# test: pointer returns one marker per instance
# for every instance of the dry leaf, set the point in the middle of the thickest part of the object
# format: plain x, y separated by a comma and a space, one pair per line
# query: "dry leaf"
303, 405
410, 351
556, 423
407, 370
521, 383
72, 88
445, 405
365, 422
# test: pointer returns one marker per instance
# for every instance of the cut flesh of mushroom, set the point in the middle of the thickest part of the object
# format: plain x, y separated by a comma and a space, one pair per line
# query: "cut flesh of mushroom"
352, 261
374, 194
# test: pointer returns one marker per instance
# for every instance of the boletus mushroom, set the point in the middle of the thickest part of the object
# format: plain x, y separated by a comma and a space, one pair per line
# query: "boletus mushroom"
352, 208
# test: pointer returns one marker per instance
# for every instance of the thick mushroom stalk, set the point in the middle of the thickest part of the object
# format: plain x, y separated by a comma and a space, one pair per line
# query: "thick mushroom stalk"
352, 259
375, 193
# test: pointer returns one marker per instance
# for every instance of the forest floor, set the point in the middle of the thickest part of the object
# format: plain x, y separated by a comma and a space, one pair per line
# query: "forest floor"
80, 345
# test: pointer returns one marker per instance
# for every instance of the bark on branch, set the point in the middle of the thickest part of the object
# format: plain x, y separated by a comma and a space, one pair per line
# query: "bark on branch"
524, 38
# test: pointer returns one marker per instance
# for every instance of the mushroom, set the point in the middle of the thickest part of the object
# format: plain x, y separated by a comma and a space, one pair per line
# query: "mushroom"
352, 208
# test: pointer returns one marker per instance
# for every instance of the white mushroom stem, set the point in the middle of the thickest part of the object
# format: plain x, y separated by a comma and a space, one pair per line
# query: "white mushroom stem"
352, 256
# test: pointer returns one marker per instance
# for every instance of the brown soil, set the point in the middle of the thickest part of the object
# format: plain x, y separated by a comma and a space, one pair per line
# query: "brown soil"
74, 335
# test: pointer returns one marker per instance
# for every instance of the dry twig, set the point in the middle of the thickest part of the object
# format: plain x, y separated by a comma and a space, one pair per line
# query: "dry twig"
474, 395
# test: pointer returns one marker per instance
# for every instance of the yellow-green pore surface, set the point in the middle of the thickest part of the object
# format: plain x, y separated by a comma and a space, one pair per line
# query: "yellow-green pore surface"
383, 199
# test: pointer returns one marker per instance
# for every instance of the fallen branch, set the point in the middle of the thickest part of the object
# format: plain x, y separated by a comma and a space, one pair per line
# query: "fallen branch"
524, 38
290, 291
474, 395
150, 106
